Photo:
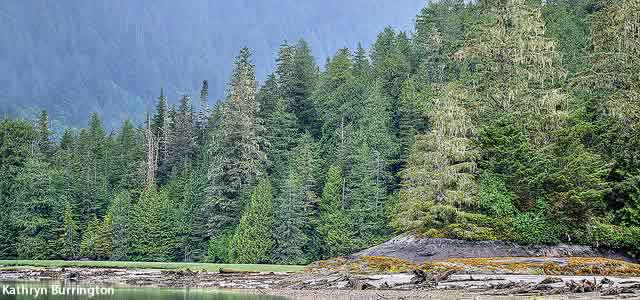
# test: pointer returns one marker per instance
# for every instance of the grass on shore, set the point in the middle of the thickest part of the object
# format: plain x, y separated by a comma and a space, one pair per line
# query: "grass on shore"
148, 265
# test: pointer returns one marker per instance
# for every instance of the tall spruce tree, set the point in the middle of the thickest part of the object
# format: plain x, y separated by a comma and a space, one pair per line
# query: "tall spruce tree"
204, 113
38, 207
303, 83
70, 236
152, 231
439, 176
45, 144
243, 129
183, 143
297, 206
518, 68
91, 169
610, 88
252, 240
239, 147
282, 137
16, 139
104, 238
267, 98
121, 214
333, 227
368, 179
128, 156
290, 222
89, 238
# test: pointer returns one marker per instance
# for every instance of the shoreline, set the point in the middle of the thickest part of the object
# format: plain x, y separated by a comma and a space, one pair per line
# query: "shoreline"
341, 285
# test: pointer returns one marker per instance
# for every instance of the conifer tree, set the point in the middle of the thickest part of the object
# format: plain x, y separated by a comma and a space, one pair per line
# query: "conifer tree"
128, 155
89, 238
38, 208
614, 59
440, 171
121, 213
104, 238
361, 64
519, 70
243, 130
161, 114
183, 143
297, 207
290, 223
391, 66
285, 72
90, 171
252, 240
162, 132
220, 209
152, 230
368, 178
237, 148
45, 145
413, 119
267, 98
339, 98
70, 236
204, 112
282, 137
188, 191
334, 224
16, 139
304, 80
440, 30
367, 196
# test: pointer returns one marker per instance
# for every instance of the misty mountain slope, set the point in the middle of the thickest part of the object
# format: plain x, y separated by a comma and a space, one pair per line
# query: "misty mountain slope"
75, 57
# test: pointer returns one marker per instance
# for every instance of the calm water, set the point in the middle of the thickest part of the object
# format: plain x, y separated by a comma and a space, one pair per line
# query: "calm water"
73, 291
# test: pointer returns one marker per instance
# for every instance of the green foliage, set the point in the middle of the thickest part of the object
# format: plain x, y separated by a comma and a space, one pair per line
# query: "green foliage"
218, 250
297, 206
494, 197
333, 224
236, 147
630, 213
15, 148
70, 235
89, 239
104, 238
600, 233
37, 209
541, 101
120, 213
152, 227
439, 176
189, 191
282, 137
252, 240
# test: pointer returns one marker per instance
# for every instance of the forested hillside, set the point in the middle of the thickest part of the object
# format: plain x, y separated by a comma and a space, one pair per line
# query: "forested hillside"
76, 57
499, 120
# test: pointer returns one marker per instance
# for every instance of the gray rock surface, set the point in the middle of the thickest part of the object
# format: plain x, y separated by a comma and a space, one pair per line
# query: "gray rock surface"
420, 250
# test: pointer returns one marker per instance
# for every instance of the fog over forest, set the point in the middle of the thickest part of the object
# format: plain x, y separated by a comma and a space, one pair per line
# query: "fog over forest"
112, 57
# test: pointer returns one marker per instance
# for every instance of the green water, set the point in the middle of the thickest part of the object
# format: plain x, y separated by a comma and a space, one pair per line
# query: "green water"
57, 290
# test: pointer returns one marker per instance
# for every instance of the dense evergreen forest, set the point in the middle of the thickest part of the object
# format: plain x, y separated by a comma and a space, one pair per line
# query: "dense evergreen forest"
494, 120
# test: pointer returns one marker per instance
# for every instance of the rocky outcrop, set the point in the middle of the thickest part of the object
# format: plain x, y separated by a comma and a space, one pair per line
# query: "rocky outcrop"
420, 250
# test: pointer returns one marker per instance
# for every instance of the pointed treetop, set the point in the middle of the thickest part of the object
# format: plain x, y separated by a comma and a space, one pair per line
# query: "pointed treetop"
205, 85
